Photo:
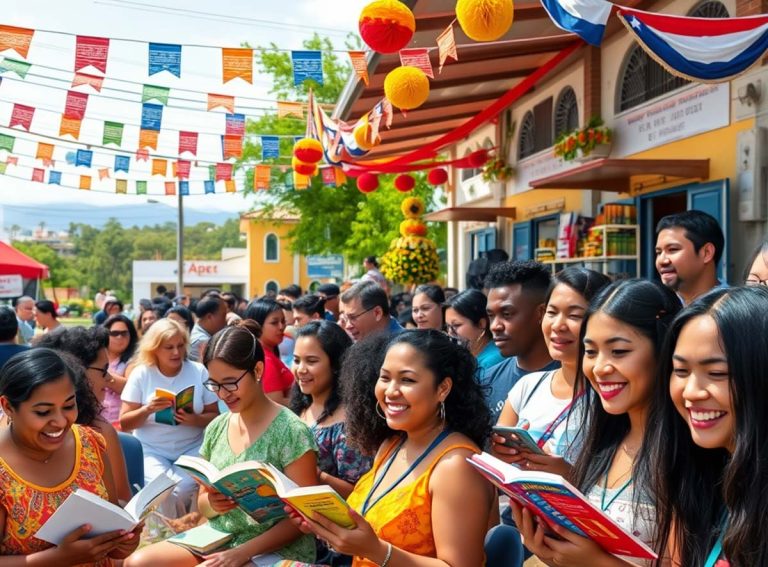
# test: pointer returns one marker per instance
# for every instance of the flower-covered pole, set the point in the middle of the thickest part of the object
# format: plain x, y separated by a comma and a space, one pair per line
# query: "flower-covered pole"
412, 258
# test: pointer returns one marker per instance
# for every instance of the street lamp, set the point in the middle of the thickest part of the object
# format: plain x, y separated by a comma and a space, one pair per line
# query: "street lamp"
179, 242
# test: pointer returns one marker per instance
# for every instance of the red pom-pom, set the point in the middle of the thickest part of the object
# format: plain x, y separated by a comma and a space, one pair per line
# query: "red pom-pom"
386, 25
367, 183
437, 177
404, 183
478, 158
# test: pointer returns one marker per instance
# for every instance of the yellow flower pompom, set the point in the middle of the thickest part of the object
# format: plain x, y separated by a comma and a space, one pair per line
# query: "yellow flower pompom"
485, 20
412, 207
406, 87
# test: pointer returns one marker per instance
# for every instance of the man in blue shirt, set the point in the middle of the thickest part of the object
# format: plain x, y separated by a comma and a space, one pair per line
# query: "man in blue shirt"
517, 294
365, 311
9, 326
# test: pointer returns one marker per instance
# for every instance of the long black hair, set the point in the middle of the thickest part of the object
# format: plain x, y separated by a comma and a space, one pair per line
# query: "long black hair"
334, 342
259, 309
694, 486
133, 335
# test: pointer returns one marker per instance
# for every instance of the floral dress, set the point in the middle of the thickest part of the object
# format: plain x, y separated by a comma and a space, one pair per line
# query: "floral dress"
335, 457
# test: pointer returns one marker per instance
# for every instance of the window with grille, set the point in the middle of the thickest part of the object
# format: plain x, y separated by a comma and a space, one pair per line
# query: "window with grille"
710, 9
566, 112
527, 143
271, 248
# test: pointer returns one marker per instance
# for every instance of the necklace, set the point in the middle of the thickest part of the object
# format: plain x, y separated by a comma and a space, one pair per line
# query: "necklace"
21, 450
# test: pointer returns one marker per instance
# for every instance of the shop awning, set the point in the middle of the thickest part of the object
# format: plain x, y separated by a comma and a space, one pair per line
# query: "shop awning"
481, 214
615, 174
13, 262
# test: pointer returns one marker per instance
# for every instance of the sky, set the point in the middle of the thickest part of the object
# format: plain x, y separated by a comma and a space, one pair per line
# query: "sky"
191, 23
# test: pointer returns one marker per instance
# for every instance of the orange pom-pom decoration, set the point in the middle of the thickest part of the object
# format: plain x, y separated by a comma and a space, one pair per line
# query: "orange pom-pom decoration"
308, 150
478, 158
437, 177
404, 183
303, 168
386, 26
485, 20
367, 183
406, 87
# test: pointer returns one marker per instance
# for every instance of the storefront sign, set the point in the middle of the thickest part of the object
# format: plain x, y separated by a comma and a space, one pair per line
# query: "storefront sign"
202, 269
537, 166
699, 109
322, 267
11, 286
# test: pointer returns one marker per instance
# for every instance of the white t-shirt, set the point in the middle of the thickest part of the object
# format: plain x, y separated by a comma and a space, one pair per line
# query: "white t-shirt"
531, 398
169, 441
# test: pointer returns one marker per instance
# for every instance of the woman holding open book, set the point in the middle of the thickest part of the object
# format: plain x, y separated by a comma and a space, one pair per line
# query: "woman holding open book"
254, 429
45, 456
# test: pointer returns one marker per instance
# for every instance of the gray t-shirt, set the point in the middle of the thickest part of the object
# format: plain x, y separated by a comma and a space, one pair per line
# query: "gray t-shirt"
498, 381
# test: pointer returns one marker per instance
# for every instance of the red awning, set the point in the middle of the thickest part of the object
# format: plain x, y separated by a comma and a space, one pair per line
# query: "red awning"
15, 263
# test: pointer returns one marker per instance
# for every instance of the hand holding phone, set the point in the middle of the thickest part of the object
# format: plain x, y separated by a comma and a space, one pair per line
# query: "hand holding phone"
518, 438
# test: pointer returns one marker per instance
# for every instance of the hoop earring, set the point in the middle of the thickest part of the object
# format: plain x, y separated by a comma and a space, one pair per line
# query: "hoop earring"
380, 412
442, 411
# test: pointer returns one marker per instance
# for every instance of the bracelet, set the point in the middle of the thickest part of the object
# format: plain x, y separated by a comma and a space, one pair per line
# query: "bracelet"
387, 557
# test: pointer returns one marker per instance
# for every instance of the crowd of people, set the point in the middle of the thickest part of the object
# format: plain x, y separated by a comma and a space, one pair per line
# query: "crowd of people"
646, 395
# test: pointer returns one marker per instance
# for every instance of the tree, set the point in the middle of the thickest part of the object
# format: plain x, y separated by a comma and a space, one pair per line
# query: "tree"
62, 271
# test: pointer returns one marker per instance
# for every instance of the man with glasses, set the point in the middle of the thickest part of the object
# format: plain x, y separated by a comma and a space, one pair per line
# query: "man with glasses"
365, 311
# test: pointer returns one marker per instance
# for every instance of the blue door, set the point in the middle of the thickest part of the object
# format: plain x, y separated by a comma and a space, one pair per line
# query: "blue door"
712, 198
521, 241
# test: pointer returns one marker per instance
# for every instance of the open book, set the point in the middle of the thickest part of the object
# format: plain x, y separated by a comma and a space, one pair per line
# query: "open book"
183, 401
556, 501
83, 507
260, 490
201, 540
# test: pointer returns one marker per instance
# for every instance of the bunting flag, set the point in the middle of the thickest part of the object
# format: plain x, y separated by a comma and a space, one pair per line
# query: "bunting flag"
235, 125
285, 108
359, 65
38, 175
188, 142
103, 173
418, 58
270, 147
54, 178
21, 68
341, 177
307, 65
328, 175
300, 181
142, 154
17, 39
585, 18
85, 182
170, 187
184, 188
91, 51
164, 57
7, 142
113, 133
446, 47
223, 171
12, 160
229, 186
121, 186
212, 172
237, 62
85, 79
148, 139
70, 126
232, 146
21, 115
209, 187
45, 153
122, 163
153, 92
225, 101
3, 167
141, 187
84, 158
183, 168
706, 50
262, 177
151, 116
75, 105
159, 167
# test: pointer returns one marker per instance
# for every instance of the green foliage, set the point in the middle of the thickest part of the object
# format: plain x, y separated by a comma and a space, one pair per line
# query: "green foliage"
62, 271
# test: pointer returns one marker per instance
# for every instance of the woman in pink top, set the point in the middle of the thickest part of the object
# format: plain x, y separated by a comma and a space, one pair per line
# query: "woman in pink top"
123, 339
277, 378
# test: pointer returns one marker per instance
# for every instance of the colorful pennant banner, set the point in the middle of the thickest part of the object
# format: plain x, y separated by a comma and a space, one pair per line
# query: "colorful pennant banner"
21, 68
159, 167
229, 186
209, 187
22, 116
85, 79
122, 163
153, 92
235, 125
141, 187
121, 186
223, 171
151, 117
148, 139
418, 58
184, 188
164, 57
75, 105
54, 178
142, 154
183, 168
170, 188
17, 39
12, 160
262, 177
91, 51
232, 146
446, 47
38, 174
307, 65
225, 101
103, 173
84, 158
85, 182
328, 175
113, 133
360, 65
45, 153
285, 108
188, 142
270, 147
70, 126
237, 62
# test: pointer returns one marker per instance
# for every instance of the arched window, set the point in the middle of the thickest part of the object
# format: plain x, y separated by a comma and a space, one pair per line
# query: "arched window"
642, 79
710, 9
527, 143
271, 287
566, 112
271, 248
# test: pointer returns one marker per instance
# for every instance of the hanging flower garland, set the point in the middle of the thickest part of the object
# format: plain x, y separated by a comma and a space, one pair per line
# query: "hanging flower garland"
412, 258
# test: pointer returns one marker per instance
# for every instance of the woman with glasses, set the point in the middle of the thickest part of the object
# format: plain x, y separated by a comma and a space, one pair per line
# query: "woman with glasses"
123, 339
162, 365
254, 428
757, 266
427, 307
467, 320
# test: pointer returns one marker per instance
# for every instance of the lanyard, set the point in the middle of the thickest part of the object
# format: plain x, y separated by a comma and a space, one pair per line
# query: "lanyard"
550, 431
367, 504
603, 505
717, 549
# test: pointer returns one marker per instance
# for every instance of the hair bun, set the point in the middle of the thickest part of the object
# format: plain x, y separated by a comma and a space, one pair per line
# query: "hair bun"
251, 326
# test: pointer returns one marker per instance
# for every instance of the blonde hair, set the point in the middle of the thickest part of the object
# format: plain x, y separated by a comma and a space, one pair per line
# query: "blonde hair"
161, 330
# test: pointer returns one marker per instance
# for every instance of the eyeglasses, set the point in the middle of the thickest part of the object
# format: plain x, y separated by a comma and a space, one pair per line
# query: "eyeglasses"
121, 334
214, 386
104, 370
755, 281
344, 318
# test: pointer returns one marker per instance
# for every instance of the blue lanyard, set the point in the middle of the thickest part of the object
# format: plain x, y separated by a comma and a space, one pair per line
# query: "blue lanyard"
367, 504
717, 549
603, 505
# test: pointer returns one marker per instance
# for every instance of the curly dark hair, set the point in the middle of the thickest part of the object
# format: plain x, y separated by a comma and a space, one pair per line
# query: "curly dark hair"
82, 343
465, 407
532, 276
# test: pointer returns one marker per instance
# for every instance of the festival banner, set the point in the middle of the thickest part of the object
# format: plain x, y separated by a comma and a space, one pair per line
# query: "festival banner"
113, 133
85, 182
38, 175
212, 172
188, 142
360, 65
307, 65
229, 186
225, 101
235, 125
237, 62
142, 154
262, 177
84, 158
159, 167
121, 186
270, 147
182, 169
17, 39
341, 177
153, 92
85, 79
122, 163
45, 153
75, 105
12, 160
151, 116
70, 126
164, 57
223, 171
328, 176
3, 167
285, 108
54, 178
209, 187
21, 68
300, 181
21, 116
184, 188
232, 146
91, 51
141, 187
446, 47
170, 188
148, 139
418, 58
288, 180
7, 142
104, 173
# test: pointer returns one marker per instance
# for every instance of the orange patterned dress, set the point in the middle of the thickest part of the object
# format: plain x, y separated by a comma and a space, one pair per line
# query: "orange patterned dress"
404, 516
28, 506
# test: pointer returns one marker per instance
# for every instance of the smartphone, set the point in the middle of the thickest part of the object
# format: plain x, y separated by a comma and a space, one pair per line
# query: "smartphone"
517, 438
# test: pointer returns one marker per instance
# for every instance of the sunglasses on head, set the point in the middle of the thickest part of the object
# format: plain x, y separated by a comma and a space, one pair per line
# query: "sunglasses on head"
118, 333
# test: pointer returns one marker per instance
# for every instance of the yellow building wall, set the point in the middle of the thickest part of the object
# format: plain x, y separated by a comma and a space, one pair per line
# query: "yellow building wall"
537, 197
